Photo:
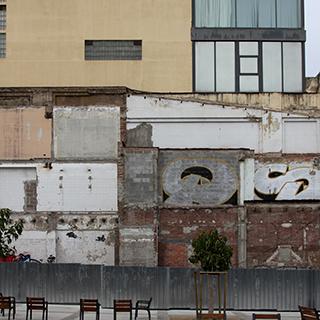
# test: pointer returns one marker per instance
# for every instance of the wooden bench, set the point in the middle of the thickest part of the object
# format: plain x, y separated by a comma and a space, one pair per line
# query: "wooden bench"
8, 303
266, 316
89, 305
308, 313
143, 305
122, 306
37, 304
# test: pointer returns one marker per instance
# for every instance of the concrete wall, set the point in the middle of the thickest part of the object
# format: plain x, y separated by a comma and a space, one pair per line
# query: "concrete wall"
86, 133
175, 124
45, 43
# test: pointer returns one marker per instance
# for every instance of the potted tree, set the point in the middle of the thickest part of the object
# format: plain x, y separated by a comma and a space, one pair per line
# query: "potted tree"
212, 253
9, 231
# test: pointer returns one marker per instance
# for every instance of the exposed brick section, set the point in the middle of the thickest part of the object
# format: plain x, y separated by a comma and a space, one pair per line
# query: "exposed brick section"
30, 196
179, 226
173, 254
295, 225
138, 217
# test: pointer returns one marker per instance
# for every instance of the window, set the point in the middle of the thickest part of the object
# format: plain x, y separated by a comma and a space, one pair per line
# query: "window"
113, 49
248, 66
248, 13
2, 45
249, 60
3, 17
215, 13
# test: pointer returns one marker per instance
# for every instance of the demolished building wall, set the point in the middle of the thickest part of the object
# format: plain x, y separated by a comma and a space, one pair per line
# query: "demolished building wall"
106, 175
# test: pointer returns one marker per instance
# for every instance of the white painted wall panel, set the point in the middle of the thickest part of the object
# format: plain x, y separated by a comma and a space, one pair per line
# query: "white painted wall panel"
301, 136
77, 187
84, 248
206, 135
12, 193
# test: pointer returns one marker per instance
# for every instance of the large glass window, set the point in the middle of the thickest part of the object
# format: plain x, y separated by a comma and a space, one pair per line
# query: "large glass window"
289, 13
205, 58
215, 13
245, 66
248, 13
266, 14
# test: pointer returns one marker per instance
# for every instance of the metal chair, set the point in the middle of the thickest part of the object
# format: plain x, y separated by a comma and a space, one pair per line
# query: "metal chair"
143, 305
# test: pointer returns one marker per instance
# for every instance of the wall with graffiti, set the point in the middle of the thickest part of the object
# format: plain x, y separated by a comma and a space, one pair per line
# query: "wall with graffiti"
287, 180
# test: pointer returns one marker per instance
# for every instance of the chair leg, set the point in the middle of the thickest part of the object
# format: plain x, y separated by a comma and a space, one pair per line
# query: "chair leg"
27, 313
114, 315
130, 314
30, 314
9, 313
149, 314
136, 314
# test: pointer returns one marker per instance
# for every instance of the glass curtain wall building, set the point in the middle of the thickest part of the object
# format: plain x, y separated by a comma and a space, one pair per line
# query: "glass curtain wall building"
248, 45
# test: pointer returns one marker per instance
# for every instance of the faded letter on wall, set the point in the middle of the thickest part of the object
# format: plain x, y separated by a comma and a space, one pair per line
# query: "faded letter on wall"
287, 181
199, 177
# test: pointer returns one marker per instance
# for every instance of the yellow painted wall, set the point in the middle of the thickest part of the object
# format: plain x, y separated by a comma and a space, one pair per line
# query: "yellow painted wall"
45, 43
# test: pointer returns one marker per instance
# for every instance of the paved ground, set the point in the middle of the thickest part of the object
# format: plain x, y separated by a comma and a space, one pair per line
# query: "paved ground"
71, 312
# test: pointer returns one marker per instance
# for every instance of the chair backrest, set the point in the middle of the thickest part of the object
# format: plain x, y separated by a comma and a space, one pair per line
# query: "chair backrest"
122, 305
5, 302
308, 313
36, 303
144, 303
266, 316
89, 304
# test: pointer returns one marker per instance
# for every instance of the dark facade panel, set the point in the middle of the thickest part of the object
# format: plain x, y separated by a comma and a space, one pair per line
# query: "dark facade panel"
229, 34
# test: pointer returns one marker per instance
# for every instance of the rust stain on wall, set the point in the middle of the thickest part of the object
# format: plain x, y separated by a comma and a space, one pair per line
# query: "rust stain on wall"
24, 134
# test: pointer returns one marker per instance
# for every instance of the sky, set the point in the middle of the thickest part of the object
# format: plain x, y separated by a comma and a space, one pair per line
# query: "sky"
312, 21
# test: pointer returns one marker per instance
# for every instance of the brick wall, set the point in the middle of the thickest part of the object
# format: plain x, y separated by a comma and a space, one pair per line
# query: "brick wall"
178, 226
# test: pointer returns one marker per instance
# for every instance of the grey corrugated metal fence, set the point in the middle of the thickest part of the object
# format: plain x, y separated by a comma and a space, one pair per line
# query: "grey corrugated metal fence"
254, 289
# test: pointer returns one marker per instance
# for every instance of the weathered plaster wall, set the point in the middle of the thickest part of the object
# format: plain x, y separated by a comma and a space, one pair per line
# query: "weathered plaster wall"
86, 133
25, 133
71, 238
133, 199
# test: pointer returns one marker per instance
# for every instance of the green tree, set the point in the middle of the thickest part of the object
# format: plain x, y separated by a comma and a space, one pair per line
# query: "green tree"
9, 231
212, 251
